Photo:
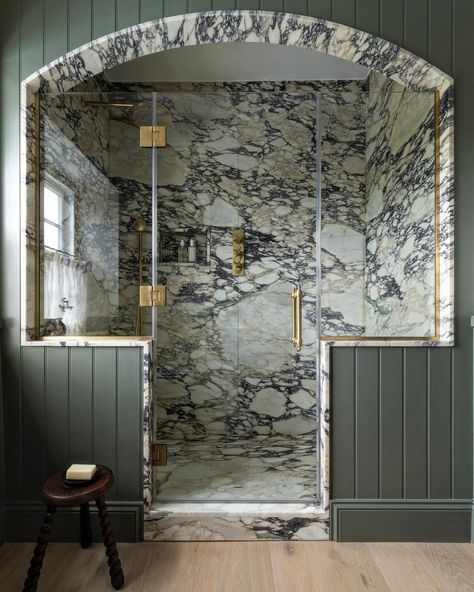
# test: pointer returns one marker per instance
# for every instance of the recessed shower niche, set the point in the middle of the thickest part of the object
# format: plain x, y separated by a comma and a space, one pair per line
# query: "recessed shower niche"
335, 187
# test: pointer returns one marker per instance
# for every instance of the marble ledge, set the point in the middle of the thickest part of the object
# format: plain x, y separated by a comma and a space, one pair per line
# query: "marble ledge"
341, 342
236, 521
115, 341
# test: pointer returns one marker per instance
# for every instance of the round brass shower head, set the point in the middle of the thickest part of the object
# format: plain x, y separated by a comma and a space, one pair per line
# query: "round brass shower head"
140, 225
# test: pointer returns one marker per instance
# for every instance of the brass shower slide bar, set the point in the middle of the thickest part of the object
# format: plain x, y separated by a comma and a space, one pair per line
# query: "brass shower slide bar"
296, 339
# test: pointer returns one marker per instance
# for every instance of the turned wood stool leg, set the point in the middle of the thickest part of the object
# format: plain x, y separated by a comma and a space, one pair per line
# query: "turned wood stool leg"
86, 531
31, 581
116, 573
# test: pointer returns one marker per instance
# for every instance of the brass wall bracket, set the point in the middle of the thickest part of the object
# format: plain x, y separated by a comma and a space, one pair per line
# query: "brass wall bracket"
153, 295
159, 455
238, 251
152, 136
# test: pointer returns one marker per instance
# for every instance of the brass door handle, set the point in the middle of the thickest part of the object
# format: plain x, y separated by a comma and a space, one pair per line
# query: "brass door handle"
296, 338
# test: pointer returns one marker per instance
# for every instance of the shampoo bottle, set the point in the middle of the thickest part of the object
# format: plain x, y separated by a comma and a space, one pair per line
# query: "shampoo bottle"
192, 251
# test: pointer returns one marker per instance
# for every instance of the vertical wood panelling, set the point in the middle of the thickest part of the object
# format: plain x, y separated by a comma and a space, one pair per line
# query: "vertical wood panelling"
343, 425
129, 448
439, 414
416, 37
223, 4
295, 6
416, 433
248, 4
81, 402
103, 17
172, 7
320, 9
440, 35
391, 422
10, 66
32, 426
391, 21
32, 36
199, 5
104, 448
80, 23
128, 13
150, 10
56, 409
272, 5
367, 422
56, 402
344, 12
368, 16
463, 71
55, 29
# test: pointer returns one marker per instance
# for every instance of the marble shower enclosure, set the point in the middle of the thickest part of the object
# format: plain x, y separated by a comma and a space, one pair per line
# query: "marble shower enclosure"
233, 399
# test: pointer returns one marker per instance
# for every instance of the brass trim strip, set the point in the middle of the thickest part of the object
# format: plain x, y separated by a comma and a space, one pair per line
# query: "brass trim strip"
37, 213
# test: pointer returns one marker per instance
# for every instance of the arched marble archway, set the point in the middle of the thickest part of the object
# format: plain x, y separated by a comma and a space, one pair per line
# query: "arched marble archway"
256, 27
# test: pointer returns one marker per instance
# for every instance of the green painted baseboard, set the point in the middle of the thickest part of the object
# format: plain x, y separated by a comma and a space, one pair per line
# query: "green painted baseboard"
401, 520
23, 521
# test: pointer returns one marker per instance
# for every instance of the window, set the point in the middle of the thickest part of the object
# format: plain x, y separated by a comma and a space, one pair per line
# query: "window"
57, 217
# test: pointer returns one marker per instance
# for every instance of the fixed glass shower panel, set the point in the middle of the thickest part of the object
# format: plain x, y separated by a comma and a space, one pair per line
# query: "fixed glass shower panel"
235, 397
96, 201
379, 211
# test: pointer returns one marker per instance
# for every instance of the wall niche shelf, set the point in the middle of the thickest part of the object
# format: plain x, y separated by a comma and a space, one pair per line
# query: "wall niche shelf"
174, 247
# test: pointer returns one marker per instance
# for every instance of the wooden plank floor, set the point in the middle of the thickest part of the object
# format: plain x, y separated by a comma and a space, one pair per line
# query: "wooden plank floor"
261, 566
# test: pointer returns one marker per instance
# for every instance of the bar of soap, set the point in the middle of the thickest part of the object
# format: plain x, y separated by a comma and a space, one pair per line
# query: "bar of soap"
81, 472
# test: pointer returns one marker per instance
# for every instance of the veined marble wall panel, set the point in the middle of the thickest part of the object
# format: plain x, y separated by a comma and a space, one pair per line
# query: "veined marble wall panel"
400, 238
343, 210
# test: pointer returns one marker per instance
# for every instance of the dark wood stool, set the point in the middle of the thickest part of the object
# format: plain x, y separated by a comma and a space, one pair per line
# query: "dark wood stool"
58, 494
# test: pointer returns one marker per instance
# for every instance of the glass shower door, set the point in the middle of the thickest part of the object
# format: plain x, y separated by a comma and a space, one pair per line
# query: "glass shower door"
235, 399
278, 340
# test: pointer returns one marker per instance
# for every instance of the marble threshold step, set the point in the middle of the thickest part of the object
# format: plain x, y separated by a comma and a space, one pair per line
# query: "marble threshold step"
233, 521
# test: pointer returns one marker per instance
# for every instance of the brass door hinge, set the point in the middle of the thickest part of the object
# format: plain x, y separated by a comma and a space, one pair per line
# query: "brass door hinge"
153, 295
159, 454
152, 136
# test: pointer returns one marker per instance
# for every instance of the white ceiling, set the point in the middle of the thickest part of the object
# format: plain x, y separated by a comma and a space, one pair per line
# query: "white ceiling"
227, 62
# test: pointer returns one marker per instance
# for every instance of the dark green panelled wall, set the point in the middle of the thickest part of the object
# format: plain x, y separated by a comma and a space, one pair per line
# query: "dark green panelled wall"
402, 418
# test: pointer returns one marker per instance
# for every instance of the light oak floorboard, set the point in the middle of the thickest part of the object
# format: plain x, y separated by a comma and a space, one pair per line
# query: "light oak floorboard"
453, 562
249, 566
325, 567
405, 569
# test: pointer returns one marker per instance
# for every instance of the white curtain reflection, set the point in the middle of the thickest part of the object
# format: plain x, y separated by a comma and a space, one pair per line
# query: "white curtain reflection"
65, 290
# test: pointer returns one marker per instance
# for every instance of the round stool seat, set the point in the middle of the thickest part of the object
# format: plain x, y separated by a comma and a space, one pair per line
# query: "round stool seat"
59, 494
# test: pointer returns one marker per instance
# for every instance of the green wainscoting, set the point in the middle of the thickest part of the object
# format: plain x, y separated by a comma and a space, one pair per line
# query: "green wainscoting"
395, 445
404, 417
